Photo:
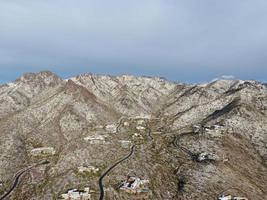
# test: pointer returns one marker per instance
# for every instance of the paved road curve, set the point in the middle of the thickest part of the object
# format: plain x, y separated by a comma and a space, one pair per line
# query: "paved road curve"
119, 124
148, 131
16, 181
177, 144
18, 175
100, 181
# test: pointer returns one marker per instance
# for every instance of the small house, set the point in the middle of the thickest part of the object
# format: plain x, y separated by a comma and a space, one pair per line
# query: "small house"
111, 128
43, 151
96, 139
134, 185
75, 194
230, 197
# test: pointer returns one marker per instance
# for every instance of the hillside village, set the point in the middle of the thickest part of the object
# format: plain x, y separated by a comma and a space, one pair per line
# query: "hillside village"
156, 140
133, 186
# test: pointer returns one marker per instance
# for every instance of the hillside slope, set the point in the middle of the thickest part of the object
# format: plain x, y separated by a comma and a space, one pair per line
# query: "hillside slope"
93, 120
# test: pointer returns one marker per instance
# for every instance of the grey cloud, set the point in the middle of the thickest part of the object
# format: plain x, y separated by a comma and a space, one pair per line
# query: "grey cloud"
186, 40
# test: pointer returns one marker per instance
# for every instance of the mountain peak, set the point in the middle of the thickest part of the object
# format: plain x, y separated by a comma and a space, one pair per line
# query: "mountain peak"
42, 77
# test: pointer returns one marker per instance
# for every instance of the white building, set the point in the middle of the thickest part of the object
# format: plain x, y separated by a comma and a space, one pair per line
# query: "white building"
229, 197
206, 157
96, 139
134, 185
89, 169
126, 124
99, 127
137, 136
74, 194
111, 128
140, 122
43, 151
140, 128
143, 116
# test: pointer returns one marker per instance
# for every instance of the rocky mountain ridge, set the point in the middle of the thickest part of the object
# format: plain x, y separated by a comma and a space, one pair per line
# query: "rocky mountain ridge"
42, 110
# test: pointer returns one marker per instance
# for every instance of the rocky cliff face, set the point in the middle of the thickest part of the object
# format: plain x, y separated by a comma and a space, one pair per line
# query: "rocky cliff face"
92, 120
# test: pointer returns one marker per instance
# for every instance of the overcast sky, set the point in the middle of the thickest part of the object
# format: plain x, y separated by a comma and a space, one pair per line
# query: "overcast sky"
182, 40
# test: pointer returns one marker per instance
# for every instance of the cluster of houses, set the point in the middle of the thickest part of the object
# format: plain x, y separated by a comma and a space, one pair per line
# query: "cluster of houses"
136, 186
113, 127
75, 194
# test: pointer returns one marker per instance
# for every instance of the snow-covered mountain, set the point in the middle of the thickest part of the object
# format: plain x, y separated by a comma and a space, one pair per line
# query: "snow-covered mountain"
43, 110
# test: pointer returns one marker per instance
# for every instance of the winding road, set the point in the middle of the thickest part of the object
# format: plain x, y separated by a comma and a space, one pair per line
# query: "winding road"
18, 175
150, 137
177, 145
100, 181
149, 133
119, 124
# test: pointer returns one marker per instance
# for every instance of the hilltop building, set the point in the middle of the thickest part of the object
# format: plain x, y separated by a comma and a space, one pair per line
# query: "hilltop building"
43, 151
111, 128
88, 169
229, 197
140, 128
126, 124
205, 157
96, 139
75, 194
134, 185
